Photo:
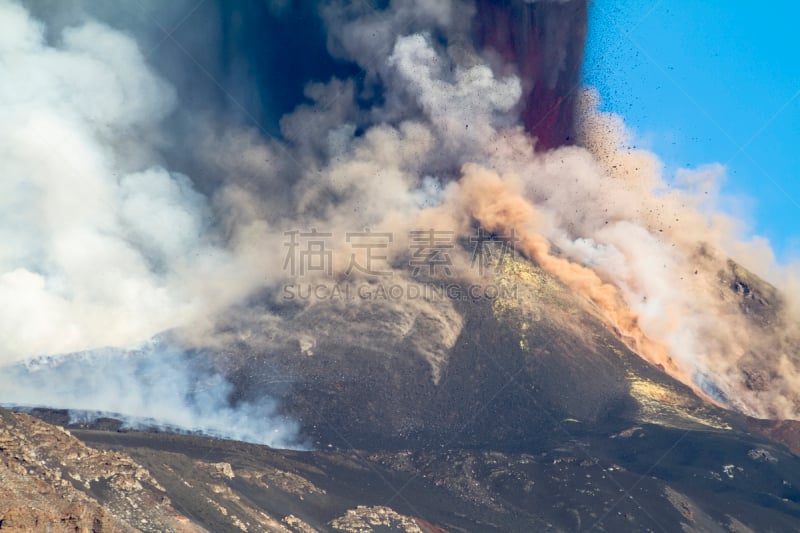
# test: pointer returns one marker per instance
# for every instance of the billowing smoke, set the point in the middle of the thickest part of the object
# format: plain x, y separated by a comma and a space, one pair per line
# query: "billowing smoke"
152, 386
147, 191
102, 244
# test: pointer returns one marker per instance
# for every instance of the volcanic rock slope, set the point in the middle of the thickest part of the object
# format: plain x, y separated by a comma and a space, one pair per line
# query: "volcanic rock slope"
644, 478
535, 419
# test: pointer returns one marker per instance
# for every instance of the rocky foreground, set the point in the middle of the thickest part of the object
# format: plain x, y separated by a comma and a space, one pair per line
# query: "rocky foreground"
643, 478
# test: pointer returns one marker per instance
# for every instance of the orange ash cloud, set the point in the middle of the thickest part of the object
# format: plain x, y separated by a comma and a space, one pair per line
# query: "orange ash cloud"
498, 205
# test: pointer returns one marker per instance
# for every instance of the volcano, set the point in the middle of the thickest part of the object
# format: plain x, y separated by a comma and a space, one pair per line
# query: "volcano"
540, 419
539, 344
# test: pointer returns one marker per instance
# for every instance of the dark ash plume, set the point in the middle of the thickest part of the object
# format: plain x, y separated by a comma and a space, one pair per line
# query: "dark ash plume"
545, 42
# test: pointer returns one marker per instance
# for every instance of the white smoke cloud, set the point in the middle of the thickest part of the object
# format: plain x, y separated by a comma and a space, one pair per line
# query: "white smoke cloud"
153, 386
102, 245
85, 258
465, 107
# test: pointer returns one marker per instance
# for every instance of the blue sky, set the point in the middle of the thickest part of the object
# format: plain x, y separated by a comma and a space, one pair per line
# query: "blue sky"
711, 81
